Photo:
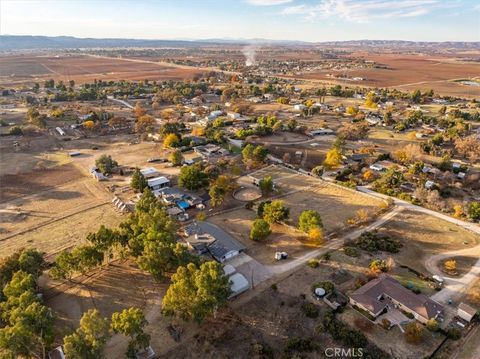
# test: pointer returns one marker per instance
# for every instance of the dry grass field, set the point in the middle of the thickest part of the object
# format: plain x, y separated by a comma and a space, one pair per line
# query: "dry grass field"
27, 69
410, 72
62, 233
335, 204
423, 236
120, 286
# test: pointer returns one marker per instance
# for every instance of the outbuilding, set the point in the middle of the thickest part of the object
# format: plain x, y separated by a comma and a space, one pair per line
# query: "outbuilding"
466, 312
149, 172
238, 284
158, 183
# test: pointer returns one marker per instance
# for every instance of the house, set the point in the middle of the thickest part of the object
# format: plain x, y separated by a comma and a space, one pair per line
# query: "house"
233, 115
385, 293
430, 185
149, 172
321, 131
373, 120
219, 243
158, 183
299, 107
221, 253
466, 312
378, 167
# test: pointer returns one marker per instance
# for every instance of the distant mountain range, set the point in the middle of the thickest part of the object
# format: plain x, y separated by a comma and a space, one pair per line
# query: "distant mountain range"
28, 42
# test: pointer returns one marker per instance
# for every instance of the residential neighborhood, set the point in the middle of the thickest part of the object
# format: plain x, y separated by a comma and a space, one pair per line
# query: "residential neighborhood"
225, 198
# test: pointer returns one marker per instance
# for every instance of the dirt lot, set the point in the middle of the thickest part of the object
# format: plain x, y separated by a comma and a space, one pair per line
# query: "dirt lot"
64, 232
251, 324
335, 204
393, 341
423, 236
121, 285
26, 69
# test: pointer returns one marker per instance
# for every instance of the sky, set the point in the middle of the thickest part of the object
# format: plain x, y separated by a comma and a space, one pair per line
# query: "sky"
306, 20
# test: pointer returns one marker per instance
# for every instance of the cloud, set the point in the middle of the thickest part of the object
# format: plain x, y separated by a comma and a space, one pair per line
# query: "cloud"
268, 2
363, 11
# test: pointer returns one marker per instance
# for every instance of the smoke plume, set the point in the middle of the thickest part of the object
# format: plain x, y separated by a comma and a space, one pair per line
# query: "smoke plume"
249, 53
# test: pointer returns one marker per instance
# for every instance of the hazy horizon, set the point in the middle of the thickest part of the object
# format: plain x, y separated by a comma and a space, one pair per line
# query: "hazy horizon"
288, 20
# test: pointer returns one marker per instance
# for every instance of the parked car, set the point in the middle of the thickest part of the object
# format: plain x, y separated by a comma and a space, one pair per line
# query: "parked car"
281, 255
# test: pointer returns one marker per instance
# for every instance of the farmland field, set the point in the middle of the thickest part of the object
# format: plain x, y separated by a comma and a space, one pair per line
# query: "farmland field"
410, 72
27, 69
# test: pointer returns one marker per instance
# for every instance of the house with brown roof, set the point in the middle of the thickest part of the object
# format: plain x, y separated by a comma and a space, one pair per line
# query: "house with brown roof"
384, 293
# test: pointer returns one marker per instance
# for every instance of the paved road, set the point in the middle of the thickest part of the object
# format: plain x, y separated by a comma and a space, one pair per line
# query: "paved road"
124, 103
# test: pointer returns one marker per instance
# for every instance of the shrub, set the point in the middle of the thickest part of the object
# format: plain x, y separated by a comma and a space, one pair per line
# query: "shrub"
274, 287
327, 256
373, 242
386, 324
413, 333
432, 325
299, 345
310, 310
378, 265
261, 350
350, 251
15, 131
313, 263
454, 333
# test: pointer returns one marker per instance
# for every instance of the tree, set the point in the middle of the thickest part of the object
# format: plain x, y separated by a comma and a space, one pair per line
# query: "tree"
473, 210
413, 333
333, 158
468, 147
308, 220
254, 156
176, 158
64, 267
106, 164
144, 124
27, 325
138, 182
275, 212
450, 265
432, 325
131, 322
260, 230
29, 261
162, 255
192, 177
196, 293
266, 185
88, 341
171, 140
371, 100
138, 110
316, 235
378, 265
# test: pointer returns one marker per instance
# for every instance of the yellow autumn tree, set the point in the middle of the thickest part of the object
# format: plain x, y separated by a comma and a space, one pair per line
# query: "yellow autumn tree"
333, 158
